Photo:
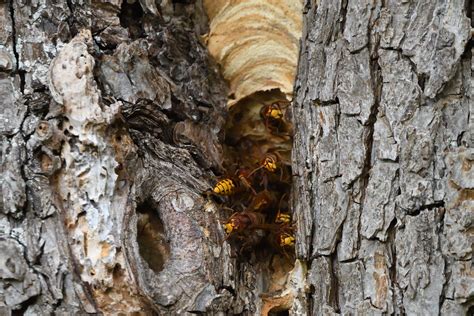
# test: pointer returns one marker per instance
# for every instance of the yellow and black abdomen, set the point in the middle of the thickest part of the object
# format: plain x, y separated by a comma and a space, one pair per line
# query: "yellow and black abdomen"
225, 187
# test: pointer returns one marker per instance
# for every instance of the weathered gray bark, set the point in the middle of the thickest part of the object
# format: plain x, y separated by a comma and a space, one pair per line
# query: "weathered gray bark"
111, 128
383, 157
107, 143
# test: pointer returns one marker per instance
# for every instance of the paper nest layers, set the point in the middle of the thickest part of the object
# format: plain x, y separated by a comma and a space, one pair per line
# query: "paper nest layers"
256, 43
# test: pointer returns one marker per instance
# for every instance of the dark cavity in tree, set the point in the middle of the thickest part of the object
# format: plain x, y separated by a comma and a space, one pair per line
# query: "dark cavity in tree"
152, 241
131, 17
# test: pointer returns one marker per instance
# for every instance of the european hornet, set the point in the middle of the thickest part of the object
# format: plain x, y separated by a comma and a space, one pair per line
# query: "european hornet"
283, 218
283, 238
262, 201
269, 162
242, 221
272, 115
225, 187
271, 112
286, 239
232, 185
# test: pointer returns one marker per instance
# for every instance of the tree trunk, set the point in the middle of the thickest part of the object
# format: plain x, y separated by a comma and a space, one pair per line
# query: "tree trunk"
112, 128
383, 157
108, 142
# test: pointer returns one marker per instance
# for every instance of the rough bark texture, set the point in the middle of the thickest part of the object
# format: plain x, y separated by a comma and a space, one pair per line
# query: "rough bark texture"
112, 119
107, 143
383, 157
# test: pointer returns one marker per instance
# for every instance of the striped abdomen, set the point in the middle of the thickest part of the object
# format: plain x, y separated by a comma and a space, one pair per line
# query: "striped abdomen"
225, 187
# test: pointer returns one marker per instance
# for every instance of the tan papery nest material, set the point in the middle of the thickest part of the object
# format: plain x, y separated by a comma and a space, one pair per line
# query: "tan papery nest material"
256, 43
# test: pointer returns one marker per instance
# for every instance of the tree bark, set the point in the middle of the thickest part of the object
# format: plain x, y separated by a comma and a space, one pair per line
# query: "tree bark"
112, 127
111, 119
383, 156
